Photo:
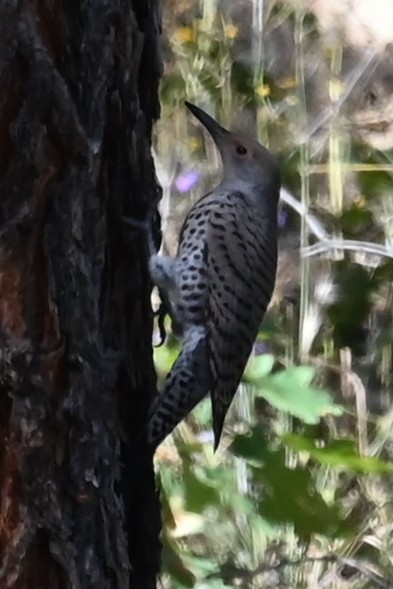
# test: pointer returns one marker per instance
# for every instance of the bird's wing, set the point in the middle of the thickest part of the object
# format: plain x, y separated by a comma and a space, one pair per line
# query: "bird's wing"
241, 259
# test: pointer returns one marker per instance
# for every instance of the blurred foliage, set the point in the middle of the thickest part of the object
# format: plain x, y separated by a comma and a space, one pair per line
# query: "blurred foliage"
290, 390
299, 493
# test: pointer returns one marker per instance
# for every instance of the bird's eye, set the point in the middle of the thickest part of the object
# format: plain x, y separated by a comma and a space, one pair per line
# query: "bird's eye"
240, 150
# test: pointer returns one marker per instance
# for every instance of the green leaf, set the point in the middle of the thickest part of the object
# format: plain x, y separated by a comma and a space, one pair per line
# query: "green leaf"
290, 495
338, 453
198, 493
164, 358
251, 447
290, 390
293, 499
259, 366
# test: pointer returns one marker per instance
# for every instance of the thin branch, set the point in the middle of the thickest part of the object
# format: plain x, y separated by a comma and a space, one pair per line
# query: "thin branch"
313, 223
348, 244
327, 242
364, 67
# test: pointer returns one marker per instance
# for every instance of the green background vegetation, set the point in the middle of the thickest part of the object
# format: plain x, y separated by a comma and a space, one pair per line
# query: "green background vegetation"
300, 492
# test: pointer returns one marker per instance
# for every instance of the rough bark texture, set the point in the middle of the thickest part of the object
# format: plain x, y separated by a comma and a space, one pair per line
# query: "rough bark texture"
78, 95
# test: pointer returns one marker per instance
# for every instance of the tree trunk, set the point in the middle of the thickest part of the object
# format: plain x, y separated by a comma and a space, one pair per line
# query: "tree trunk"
79, 93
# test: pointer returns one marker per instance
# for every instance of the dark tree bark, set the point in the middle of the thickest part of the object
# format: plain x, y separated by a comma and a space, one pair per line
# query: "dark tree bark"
78, 95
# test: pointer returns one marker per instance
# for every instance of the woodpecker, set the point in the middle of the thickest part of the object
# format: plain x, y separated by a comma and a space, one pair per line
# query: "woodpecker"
221, 281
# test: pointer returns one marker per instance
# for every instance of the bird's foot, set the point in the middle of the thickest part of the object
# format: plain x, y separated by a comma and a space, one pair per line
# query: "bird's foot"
164, 310
161, 313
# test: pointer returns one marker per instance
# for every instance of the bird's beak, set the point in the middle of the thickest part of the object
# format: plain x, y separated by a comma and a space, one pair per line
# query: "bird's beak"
217, 132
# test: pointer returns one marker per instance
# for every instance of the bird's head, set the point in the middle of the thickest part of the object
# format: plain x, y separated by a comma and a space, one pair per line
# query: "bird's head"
247, 165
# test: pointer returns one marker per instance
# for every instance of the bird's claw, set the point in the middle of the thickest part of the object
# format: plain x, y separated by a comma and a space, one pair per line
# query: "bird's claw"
161, 327
161, 313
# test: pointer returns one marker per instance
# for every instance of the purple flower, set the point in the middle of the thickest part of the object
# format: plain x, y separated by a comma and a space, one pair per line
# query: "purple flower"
261, 347
187, 180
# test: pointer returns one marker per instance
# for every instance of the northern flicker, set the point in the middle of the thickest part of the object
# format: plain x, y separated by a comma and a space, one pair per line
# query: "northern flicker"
221, 281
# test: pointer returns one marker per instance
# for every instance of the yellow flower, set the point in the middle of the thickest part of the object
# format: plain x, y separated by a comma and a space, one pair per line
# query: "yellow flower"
360, 201
263, 90
185, 35
231, 31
